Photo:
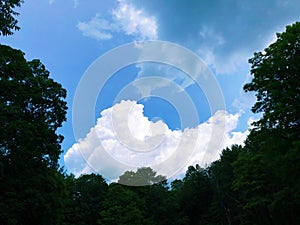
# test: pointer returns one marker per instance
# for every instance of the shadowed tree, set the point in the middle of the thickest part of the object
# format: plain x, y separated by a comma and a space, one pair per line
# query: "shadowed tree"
276, 73
32, 107
8, 22
85, 200
154, 199
196, 195
122, 206
267, 174
142, 177
225, 207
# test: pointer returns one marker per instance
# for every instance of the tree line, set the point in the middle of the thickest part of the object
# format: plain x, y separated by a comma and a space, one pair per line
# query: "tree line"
258, 183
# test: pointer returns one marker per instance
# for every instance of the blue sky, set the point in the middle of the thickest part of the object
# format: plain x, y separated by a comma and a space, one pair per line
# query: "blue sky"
69, 35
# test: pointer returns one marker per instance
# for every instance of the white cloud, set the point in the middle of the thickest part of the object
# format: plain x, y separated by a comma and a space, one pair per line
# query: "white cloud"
124, 139
97, 28
125, 18
135, 21
170, 76
220, 52
212, 52
176, 64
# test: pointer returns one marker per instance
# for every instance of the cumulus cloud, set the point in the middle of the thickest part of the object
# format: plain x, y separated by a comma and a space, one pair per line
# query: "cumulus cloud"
125, 18
124, 139
134, 21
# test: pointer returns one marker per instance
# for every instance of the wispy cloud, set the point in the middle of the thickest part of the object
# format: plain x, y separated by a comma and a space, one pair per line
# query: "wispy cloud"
246, 99
225, 35
125, 18
124, 139
98, 28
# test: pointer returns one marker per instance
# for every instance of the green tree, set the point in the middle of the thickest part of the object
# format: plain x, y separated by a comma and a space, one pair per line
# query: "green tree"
86, 195
122, 206
267, 174
32, 107
276, 73
196, 195
225, 208
255, 182
8, 22
142, 177
160, 204
152, 190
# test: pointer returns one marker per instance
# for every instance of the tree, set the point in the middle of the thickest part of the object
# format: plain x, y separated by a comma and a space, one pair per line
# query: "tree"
267, 173
86, 195
8, 22
122, 206
153, 195
276, 74
226, 199
32, 107
196, 195
255, 182
266, 177
142, 177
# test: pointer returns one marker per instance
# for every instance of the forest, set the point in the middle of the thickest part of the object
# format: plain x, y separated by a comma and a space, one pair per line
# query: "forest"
254, 184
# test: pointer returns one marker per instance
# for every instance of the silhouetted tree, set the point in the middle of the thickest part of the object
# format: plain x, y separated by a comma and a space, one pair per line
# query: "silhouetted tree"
32, 107
8, 22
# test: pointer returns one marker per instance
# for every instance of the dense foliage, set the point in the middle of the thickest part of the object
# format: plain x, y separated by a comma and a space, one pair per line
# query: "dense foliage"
8, 22
257, 184
32, 107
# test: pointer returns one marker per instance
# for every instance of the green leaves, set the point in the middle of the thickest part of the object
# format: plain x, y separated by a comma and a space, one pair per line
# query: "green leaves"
276, 81
8, 22
143, 176
122, 206
267, 175
32, 107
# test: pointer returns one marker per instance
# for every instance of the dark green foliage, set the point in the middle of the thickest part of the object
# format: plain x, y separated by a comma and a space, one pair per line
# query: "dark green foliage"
8, 22
276, 82
196, 195
86, 196
267, 174
225, 208
32, 107
122, 206
267, 179
152, 191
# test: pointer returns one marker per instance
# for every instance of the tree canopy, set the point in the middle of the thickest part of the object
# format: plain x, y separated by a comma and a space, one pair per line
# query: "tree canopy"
32, 107
143, 176
8, 22
276, 73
